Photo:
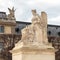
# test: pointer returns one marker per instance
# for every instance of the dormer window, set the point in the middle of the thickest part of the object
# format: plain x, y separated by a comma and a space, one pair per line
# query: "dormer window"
2, 15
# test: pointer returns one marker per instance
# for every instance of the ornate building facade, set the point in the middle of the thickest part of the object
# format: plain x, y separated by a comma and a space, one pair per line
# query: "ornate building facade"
7, 34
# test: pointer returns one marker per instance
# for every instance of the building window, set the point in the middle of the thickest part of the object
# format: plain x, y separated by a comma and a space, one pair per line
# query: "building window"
1, 29
56, 27
17, 30
1, 46
49, 32
58, 33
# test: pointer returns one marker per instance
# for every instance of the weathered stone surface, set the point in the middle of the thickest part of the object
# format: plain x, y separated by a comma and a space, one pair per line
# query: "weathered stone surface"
34, 43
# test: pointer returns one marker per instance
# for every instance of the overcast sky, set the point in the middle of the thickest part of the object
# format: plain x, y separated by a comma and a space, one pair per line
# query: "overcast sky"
24, 7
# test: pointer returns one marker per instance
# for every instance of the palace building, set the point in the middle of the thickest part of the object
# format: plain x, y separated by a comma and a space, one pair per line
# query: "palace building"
7, 34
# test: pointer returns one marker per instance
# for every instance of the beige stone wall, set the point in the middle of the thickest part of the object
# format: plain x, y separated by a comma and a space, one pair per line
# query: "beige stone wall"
18, 57
32, 56
7, 29
12, 29
38, 57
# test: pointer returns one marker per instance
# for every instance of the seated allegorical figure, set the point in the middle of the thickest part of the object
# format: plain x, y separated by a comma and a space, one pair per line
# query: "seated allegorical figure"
33, 33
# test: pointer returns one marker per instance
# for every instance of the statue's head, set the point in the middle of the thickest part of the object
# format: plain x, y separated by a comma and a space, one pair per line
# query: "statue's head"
34, 12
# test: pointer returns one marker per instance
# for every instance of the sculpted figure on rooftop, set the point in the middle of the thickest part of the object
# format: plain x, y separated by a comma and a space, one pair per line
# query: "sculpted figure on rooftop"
11, 15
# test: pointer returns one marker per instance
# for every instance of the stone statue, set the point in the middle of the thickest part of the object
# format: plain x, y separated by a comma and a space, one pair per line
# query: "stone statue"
36, 18
40, 23
11, 15
37, 23
33, 33
36, 32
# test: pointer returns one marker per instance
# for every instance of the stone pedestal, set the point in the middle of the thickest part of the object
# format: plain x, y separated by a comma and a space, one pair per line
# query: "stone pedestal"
24, 52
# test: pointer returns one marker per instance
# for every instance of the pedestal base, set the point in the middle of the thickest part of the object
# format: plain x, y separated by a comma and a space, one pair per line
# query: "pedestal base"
33, 56
22, 52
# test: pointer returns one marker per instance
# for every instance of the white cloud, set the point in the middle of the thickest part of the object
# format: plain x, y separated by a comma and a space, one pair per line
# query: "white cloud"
23, 8
45, 5
4, 4
54, 20
54, 2
42, 4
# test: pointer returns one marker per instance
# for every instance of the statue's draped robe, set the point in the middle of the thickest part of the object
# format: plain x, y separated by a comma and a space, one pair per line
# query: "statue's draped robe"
36, 32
